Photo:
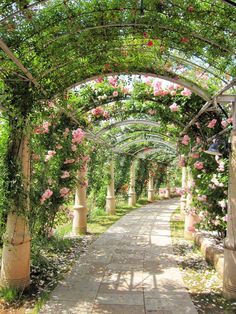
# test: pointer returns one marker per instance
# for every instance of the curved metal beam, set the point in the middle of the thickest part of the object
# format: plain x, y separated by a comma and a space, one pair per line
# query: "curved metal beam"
127, 122
151, 151
153, 140
126, 138
193, 87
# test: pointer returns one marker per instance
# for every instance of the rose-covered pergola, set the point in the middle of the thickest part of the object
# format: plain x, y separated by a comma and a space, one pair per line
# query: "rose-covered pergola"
71, 64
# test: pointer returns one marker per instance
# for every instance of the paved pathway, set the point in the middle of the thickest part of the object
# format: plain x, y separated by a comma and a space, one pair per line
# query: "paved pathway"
130, 269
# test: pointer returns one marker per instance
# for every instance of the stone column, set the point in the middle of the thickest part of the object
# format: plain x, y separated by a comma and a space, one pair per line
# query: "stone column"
167, 193
132, 193
150, 188
80, 207
110, 199
184, 179
229, 275
15, 270
190, 217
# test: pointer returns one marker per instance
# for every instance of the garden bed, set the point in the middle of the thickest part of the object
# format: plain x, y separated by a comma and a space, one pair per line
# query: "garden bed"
202, 281
212, 249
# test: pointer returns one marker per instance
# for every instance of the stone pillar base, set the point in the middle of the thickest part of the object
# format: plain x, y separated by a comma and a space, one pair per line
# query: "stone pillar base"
188, 235
167, 194
15, 270
80, 220
229, 276
132, 199
110, 205
182, 207
151, 195
189, 226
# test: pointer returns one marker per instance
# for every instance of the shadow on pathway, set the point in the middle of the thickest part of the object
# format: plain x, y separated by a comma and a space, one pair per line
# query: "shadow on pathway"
130, 269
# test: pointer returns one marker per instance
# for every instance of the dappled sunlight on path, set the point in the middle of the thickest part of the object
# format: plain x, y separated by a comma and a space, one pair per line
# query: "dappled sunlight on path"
129, 269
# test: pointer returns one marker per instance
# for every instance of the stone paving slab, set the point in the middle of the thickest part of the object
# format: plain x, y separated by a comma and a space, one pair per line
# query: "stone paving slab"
130, 269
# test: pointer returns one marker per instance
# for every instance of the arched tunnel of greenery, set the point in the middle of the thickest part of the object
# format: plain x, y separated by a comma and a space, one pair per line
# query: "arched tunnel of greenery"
85, 83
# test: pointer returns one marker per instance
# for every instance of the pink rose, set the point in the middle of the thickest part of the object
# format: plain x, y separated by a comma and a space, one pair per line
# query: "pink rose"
97, 112
115, 93
198, 165
170, 87
185, 140
164, 92
212, 124
195, 156
99, 80
157, 84
42, 129
156, 92
224, 123
174, 107
49, 155
46, 195
65, 175
112, 81
69, 161
77, 135
148, 81
186, 92
177, 86
64, 192
106, 115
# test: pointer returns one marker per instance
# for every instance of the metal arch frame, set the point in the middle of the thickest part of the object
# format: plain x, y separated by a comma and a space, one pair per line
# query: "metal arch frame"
39, 2
133, 136
127, 122
141, 140
154, 132
170, 55
194, 88
151, 151
178, 59
140, 25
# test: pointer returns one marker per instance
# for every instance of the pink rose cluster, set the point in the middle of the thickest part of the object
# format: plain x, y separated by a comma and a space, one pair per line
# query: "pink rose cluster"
195, 155
65, 175
174, 107
46, 195
198, 165
212, 124
185, 140
226, 122
49, 155
100, 112
186, 92
113, 81
160, 90
64, 192
42, 129
77, 136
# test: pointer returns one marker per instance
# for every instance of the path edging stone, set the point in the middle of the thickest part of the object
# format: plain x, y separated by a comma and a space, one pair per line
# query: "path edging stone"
212, 252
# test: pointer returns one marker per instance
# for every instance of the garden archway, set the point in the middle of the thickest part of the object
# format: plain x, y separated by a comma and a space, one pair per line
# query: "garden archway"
46, 48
